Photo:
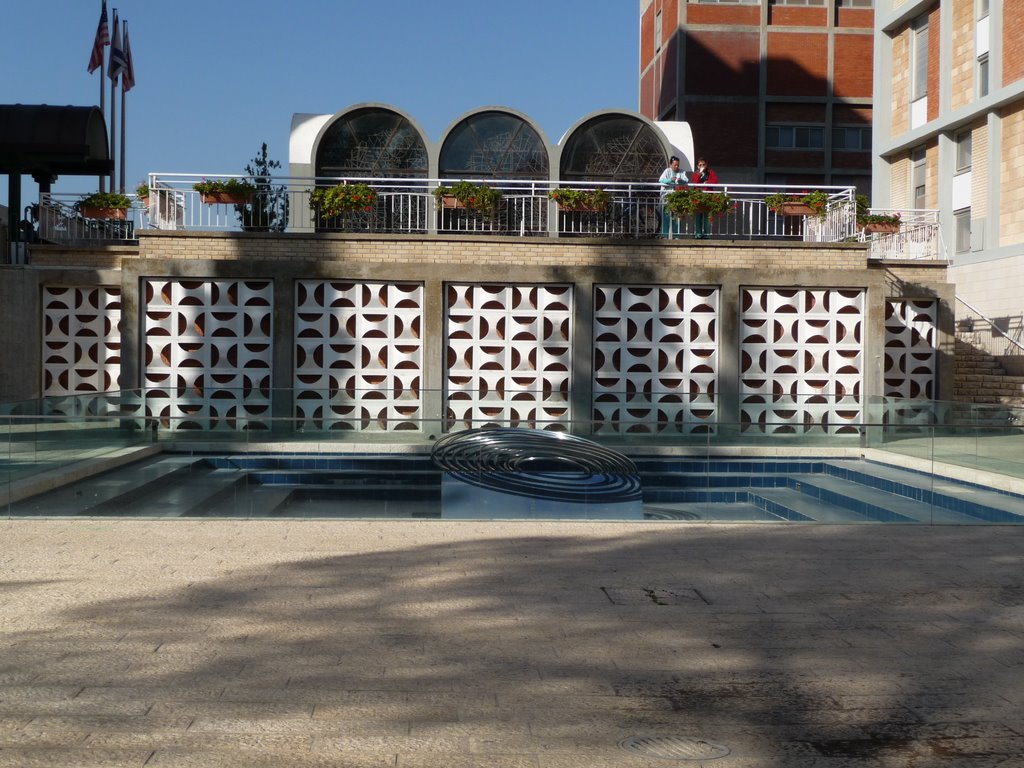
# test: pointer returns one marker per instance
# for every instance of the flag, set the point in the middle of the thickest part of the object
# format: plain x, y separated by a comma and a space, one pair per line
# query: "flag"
128, 80
102, 38
117, 63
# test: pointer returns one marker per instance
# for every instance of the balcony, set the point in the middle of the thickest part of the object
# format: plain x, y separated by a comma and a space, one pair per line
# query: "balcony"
410, 206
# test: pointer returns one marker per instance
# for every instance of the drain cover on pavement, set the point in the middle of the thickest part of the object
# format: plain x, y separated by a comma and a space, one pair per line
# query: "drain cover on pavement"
673, 747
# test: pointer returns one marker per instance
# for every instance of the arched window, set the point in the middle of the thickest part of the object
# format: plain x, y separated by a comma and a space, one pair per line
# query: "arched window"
493, 145
613, 148
372, 142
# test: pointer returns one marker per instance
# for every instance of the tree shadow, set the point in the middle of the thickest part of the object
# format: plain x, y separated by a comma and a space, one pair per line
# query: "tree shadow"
789, 643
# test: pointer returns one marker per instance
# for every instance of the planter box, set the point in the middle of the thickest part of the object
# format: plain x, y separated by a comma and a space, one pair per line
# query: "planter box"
90, 212
881, 228
795, 209
582, 208
450, 201
214, 198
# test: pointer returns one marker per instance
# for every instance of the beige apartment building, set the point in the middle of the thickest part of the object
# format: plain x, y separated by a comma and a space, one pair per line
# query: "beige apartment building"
949, 135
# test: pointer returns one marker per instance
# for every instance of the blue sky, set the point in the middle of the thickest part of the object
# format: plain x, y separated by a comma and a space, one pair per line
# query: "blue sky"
215, 79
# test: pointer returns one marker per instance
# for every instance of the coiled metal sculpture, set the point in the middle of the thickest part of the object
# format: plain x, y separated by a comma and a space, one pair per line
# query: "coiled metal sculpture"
539, 464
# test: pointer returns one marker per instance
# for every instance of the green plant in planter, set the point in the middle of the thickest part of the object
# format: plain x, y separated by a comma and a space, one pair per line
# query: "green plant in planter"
865, 217
686, 201
816, 200
572, 199
343, 198
892, 219
233, 187
142, 190
477, 197
104, 200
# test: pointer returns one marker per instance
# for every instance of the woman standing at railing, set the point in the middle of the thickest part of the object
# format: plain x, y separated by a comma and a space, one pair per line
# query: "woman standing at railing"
704, 174
670, 178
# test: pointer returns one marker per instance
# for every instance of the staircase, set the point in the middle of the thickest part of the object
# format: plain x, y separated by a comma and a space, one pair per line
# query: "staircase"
981, 378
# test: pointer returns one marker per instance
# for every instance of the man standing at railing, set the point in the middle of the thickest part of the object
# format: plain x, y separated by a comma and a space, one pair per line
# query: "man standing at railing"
703, 175
670, 178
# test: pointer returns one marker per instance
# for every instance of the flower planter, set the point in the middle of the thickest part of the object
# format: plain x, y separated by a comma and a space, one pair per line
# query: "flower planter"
90, 212
229, 198
882, 228
796, 209
450, 201
582, 208
144, 201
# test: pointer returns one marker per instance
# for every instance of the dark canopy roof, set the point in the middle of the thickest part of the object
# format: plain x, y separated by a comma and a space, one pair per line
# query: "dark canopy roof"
42, 140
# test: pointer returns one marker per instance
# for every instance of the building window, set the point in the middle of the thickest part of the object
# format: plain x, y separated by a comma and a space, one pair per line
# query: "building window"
919, 160
855, 3
657, 31
852, 139
983, 75
919, 74
962, 221
982, 9
794, 137
963, 151
796, 2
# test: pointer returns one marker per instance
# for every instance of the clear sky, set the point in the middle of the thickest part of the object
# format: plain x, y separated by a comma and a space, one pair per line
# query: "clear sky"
215, 79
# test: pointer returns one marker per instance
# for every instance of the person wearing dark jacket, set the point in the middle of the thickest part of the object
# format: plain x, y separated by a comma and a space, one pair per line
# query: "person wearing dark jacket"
703, 174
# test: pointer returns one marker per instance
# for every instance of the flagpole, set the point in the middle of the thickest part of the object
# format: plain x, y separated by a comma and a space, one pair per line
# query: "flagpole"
113, 105
103, 111
103, 102
122, 133
113, 133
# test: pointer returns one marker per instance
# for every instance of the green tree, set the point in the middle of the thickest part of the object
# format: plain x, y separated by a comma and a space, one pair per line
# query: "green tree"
267, 211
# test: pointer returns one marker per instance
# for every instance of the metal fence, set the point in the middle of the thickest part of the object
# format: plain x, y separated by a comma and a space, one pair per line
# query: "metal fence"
412, 206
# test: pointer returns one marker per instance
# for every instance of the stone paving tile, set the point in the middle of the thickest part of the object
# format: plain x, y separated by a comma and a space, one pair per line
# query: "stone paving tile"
63, 757
183, 758
230, 709
460, 760
242, 742
271, 725
38, 707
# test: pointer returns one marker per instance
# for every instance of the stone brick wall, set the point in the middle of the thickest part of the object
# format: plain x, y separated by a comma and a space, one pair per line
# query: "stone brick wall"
1011, 174
931, 196
1013, 43
505, 253
963, 53
979, 170
901, 82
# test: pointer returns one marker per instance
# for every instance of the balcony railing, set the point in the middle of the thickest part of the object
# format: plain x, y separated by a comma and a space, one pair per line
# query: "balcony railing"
409, 206
919, 236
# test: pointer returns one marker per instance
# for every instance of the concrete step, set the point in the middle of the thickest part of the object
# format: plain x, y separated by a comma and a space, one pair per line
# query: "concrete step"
976, 502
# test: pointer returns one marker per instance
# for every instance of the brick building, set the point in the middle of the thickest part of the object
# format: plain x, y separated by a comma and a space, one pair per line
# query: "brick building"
949, 135
775, 91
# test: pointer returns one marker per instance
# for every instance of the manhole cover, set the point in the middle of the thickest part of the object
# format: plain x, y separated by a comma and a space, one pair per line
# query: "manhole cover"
673, 747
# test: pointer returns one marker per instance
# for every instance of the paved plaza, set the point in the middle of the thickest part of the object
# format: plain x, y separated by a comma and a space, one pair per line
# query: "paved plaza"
433, 644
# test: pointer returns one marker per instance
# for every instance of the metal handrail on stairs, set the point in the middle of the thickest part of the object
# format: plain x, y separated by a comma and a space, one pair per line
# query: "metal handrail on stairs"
992, 324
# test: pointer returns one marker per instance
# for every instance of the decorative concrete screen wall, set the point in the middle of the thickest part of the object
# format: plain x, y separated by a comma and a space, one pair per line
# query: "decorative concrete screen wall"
509, 354
911, 330
208, 352
655, 358
504, 354
81, 340
801, 359
358, 354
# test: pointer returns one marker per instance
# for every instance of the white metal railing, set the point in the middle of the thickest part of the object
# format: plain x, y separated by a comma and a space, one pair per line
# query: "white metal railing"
408, 206
919, 236
997, 340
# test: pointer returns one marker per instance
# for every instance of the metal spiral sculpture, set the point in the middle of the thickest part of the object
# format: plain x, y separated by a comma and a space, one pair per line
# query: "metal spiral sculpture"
538, 464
